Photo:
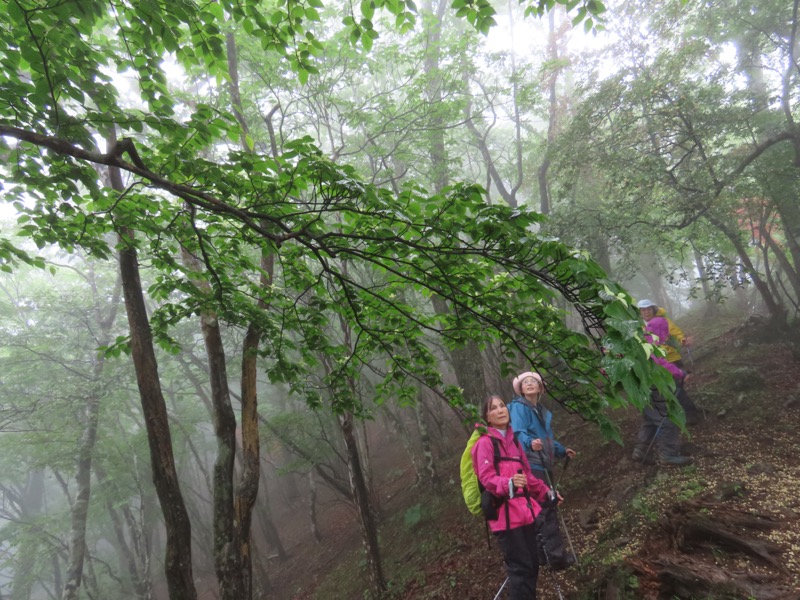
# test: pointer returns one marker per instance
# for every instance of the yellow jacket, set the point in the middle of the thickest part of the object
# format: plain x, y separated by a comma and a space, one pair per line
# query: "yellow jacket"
675, 338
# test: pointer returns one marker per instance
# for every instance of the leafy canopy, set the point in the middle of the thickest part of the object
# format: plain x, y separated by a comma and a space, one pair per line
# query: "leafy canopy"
346, 251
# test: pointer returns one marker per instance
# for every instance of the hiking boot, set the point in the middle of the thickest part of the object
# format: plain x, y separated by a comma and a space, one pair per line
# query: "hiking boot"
675, 460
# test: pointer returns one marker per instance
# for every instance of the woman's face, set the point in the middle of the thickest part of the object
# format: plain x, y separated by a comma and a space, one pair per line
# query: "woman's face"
648, 313
497, 416
530, 385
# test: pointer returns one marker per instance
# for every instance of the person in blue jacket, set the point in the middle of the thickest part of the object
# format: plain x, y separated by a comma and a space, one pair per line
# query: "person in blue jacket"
531, 423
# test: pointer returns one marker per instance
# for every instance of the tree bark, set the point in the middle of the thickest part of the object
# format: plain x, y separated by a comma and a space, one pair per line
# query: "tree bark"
178, 554
708, 296
312, 507
467, 363
233, 581
431, 475
83, 477
369, 530
32, 499
776, 311
136, 558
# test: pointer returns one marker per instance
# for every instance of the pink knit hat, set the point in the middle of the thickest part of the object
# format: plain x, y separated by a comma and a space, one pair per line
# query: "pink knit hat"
518, 381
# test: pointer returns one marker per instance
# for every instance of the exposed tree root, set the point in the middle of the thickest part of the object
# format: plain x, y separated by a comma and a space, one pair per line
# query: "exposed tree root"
705, 524
702, 524
688, 578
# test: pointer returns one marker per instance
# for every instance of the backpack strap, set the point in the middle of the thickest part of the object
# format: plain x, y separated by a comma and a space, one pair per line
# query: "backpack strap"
499, 457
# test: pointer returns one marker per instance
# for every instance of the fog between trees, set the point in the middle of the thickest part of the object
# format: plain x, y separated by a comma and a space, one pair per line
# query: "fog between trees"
240, 240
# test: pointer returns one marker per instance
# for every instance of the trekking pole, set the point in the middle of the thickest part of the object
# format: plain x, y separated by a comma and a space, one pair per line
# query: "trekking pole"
653, 441
566, 464
546, 472
689, 354
569, 540
500, 591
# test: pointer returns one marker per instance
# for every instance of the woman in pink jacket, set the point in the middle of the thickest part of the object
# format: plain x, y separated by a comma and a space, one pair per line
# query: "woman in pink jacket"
656, 428
504, 472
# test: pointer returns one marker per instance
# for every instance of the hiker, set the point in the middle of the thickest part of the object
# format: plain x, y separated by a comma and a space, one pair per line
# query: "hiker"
656, 429
532, 426
518, 497
649, 309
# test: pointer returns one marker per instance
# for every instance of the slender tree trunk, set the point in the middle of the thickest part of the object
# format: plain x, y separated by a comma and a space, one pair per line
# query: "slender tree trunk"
268, 529
776, 311
178, 554
83, 477
28, 550
369, 530
58, 582
232, 581
401, 431
710, 299
552, 109
247, 488
467, 363
80, 507
312, 507
791, 272
429, 464
140, 578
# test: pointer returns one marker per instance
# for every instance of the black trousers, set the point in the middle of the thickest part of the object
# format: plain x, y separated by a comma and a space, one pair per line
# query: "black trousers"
522, 561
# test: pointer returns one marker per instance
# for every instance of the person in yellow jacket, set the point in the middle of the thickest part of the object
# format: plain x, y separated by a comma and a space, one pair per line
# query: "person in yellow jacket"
650, 309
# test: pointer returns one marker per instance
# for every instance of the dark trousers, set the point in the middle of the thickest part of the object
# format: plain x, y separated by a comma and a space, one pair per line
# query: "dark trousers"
657, 430
522, 562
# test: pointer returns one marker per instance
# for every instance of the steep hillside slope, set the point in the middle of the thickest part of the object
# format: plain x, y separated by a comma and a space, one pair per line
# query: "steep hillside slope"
727, 526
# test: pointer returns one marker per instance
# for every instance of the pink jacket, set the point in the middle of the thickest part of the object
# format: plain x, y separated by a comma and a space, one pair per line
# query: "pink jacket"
519, 511
659, 327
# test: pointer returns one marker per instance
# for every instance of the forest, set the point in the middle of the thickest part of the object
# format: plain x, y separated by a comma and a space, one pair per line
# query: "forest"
261, 261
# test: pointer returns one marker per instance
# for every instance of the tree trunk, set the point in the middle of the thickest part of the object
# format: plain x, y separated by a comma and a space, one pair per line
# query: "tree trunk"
80, 507
784, 262
467, 363
25, 560
178, 554
369, 530
247, 488
232, 580
312, 507
776, 311
401, 431
440, 175
552, 109
268, 529
708, 296
428, 463
135, 559
83, 477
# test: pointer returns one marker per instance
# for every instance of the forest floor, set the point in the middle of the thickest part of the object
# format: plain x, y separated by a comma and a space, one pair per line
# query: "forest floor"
728, 526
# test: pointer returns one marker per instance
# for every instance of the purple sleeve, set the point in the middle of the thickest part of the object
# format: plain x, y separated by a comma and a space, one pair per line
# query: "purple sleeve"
658, 327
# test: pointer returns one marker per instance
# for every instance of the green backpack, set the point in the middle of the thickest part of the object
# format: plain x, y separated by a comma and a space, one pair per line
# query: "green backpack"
470, 488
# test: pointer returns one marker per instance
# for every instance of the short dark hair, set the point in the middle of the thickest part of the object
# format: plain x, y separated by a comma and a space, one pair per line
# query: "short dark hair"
487, 404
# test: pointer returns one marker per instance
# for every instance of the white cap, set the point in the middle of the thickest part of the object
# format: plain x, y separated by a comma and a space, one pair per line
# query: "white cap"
645, 303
